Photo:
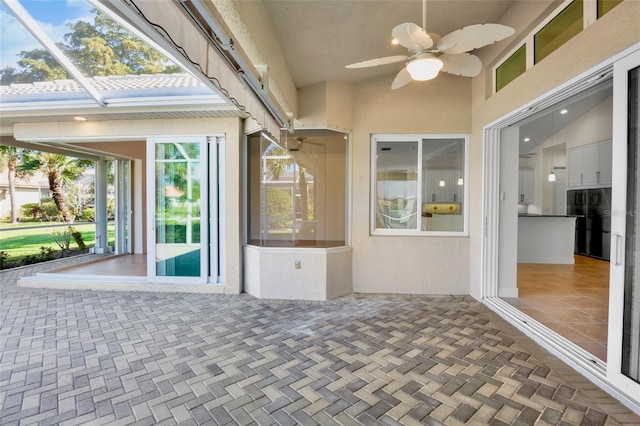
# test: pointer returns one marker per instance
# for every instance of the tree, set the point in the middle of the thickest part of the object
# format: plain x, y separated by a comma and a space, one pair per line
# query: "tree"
60, 170
9, 159
100, 48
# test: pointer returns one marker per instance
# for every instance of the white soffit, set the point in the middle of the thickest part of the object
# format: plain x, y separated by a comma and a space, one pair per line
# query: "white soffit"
176, 32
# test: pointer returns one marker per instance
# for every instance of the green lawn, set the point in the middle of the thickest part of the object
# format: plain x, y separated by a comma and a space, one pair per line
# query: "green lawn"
19, 242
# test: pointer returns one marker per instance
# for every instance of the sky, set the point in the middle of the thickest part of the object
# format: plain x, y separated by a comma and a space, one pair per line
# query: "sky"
53, 15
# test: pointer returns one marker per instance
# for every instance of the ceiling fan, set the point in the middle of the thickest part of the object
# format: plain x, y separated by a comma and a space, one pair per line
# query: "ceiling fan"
301, 141
429, 53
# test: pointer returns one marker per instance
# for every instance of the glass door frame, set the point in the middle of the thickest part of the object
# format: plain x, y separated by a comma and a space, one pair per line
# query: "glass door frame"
619, 212
606, 375
208, 170
123, 206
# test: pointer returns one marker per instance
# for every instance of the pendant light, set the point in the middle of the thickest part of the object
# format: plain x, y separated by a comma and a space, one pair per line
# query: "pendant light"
460, 181
441, 182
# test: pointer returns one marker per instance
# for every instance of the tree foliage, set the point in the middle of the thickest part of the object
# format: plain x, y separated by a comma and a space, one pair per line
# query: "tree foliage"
60, 171
98, 48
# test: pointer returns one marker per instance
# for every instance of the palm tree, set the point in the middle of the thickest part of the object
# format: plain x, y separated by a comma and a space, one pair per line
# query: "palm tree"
60, 171
9, 159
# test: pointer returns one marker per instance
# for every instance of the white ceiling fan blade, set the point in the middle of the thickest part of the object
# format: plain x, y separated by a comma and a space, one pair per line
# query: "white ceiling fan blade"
379, 61
412, 36
402, 79
473, 37
464, 64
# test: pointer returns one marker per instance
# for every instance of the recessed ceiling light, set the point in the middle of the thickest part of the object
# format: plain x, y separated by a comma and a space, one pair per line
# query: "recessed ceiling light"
564, 111
78, 118
395, 42
527, 139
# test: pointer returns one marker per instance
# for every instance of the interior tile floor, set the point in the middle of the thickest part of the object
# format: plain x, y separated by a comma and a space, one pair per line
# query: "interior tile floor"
134, 265
97, 357
572, 300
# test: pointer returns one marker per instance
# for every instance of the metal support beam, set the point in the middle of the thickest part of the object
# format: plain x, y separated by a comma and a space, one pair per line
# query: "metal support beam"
102, 241
32, 26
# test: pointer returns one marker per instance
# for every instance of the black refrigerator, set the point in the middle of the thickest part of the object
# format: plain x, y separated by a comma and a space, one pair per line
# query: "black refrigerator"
593, 224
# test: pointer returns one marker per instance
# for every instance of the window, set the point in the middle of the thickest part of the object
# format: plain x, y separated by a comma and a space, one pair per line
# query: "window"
297, 189
418, 184
605, 6
559, 30
515, 65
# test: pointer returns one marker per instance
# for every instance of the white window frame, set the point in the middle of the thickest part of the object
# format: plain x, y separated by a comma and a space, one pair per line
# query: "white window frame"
590, 11
418, 138
605, 375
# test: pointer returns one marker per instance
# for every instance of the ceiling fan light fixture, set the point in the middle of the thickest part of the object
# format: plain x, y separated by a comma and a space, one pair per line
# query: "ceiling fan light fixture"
424, 67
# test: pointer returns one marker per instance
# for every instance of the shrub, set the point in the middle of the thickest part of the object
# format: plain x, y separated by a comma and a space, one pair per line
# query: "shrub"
88, 214
32, 210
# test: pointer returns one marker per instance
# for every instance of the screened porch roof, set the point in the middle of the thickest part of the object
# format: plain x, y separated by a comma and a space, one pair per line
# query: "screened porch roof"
168, 91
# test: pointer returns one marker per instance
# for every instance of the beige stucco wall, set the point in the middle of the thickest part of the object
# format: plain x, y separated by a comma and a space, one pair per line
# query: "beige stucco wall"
117, 131
326, 105
613, 33
401, 264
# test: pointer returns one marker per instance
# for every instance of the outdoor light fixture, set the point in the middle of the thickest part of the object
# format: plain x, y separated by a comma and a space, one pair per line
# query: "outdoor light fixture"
441, 182
425, 67
460, 181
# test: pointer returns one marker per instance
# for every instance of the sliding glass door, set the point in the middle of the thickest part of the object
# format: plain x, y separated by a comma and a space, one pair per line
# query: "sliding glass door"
624, 320
178, 193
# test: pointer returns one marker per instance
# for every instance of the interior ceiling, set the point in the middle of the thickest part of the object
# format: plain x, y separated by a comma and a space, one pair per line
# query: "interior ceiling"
320, 37
543, 125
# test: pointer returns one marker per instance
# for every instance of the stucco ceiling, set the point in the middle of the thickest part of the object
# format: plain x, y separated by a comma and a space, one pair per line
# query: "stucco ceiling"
320, 37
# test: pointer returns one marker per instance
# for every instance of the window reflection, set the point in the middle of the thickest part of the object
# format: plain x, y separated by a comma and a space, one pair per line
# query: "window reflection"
419, 184
297, 189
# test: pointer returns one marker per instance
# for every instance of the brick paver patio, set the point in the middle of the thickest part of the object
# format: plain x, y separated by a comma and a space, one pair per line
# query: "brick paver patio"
87, 357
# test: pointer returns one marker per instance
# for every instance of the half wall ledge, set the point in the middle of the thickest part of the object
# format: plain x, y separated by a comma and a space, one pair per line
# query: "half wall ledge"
314, 274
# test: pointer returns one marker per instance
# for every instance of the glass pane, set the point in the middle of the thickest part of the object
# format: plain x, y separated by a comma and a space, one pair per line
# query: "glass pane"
605, 6
511, 68
178, 209
95, 43
22, 57
297, 189
397, 185
443, 184
631, 319
562, 28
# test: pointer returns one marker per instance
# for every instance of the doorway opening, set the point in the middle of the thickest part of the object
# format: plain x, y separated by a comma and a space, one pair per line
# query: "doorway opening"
564, 224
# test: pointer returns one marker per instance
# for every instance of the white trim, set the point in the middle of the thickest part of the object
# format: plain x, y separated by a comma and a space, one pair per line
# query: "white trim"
589, 14
220, 210
417, 138
206, 170
619, 211
36, 31
561, 347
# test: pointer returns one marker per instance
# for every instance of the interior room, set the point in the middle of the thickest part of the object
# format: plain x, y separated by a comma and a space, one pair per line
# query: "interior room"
564, 211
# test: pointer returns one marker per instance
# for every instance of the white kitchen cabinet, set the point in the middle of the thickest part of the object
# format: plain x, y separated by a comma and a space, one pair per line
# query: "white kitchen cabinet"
451, 192
590, 165
526, 187
576, 167
606, 163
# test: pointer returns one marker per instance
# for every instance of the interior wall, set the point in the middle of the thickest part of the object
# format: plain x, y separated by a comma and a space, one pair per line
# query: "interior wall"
611, 34
595, 125
405, 264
